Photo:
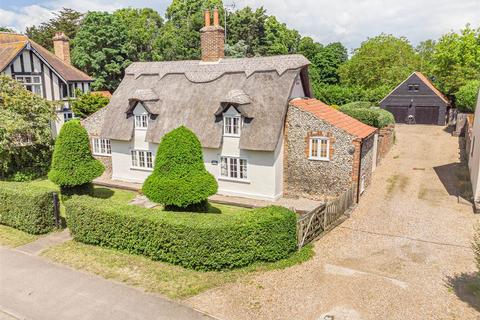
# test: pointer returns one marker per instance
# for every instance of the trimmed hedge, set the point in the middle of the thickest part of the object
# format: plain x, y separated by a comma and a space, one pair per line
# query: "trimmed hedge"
26, 207
374, 117
196, 241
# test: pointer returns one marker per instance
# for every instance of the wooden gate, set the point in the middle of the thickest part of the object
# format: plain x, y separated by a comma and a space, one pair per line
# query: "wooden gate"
322, 218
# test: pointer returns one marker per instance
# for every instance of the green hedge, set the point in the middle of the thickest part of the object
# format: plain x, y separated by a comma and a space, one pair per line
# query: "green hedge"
27, 207
374, 117
192, 240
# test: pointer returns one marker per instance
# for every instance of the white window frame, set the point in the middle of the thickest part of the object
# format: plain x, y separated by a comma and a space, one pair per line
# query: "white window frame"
141, 121
35, 85
311, 154
229, 125
141, 160
68, 115
101, 147
233, 168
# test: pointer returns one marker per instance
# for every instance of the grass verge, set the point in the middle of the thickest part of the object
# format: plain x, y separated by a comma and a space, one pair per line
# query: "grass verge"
10, 237
158, 277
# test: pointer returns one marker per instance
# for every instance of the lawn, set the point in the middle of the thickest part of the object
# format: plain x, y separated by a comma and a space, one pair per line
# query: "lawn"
158, 277
10, 237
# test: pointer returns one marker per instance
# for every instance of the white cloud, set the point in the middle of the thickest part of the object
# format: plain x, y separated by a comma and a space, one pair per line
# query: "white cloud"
348, 21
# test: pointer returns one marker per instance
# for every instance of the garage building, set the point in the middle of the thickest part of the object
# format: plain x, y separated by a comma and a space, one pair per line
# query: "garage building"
416, 100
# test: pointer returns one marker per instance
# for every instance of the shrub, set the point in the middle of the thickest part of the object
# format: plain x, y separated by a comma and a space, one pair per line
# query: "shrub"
26, 207
86, 104
202, 242
466, 96
73, 164
179, 178
358, 104
374, 117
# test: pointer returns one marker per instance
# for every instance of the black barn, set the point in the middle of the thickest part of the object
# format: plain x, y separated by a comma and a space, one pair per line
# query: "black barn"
416, 100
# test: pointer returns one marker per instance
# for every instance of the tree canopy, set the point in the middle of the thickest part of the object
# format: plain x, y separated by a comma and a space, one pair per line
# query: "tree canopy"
85, 104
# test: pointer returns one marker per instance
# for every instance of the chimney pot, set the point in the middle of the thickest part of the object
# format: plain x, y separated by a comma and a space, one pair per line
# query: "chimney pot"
207, 18
61, 46
215, 18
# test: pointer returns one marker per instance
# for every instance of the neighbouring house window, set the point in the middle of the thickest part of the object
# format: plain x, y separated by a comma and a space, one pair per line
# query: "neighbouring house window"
141, 121
67, 116
101, 147
234, 168
319, 148
413, 87
31, 83
231, 125
142, 159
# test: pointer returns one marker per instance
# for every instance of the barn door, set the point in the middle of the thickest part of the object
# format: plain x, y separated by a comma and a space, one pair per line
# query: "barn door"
426, 115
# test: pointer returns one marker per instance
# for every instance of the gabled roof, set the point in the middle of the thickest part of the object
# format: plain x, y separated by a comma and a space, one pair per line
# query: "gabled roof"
426, 81
334, 117
191, 93
12, 44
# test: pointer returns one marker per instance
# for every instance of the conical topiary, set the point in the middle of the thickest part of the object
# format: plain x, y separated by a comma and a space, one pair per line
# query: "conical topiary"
179, 179
73, 164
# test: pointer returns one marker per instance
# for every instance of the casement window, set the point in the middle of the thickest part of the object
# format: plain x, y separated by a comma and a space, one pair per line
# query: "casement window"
232, 125
31, 83
142, 159
67, 116
101, 147
141, 121
414, 87
234, 168
319, 148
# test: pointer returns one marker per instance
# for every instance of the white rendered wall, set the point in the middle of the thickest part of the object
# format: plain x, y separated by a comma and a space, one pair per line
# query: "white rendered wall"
474, 159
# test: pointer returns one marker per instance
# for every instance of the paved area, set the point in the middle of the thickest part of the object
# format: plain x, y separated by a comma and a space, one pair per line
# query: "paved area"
32, 288
404, 254
50, 240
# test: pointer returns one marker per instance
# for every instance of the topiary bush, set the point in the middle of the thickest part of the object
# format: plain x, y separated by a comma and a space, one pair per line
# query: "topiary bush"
179, 178
26, 207
73, 165
201, 242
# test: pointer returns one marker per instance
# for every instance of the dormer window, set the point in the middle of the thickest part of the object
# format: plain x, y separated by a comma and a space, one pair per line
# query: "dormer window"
141, 121
232, 125
414, 87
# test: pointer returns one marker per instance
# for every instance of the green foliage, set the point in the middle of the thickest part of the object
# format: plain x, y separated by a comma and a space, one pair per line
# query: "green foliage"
179, 177
237, 50
27, 207
73, 164
279, 39
202, 242
466, 96
374, 117
327, 61
66, 20
86, 104
358, 104
426, 50
6, 29
456, 59
381, 60
341, 94
25, 134
100, 49
248, 26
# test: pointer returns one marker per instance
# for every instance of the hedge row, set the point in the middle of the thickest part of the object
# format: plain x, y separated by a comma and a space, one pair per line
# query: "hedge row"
374, 117
192, 240
27, 207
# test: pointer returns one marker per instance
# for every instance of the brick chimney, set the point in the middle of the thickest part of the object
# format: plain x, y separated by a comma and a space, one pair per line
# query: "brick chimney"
61, 46
212, 38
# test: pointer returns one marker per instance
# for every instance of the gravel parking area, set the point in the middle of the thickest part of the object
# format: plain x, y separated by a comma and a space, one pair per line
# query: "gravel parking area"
404, 254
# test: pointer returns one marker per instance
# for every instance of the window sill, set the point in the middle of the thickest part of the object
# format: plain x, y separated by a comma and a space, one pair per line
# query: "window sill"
232, 135
102, 154
234, 180
141, 169
141, 129
319, 159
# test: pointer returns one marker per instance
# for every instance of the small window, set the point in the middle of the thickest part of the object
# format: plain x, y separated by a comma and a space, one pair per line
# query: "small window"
67, 116
141, 121
319, 148
232, 125
414, 87
234, 168
102, 147
31, 83
142, 159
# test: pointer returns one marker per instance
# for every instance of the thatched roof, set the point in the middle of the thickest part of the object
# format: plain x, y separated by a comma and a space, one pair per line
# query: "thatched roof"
190, 93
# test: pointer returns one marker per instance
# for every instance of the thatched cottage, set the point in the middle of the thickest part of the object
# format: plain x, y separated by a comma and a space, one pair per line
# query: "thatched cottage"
238, 109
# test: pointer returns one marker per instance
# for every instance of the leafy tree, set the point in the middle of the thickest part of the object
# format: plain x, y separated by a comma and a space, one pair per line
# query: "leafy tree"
238, 50
466, 96
25, 134
66, 20
6, 29
179, 180
309, 48
248, 26
86, 104
100, 49
381, 60
341, 94
73, 164
328, 60
426, 50
143, 30
456, 59
278, 38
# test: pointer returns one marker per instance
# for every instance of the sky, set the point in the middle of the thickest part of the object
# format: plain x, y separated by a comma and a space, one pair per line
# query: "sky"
347, 21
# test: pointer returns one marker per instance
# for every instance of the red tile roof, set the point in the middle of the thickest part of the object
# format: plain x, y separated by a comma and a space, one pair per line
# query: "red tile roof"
12, 44
431, 86
105, 94
334, 117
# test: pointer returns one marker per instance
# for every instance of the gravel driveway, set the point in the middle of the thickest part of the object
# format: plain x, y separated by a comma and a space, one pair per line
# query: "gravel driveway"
404, 254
